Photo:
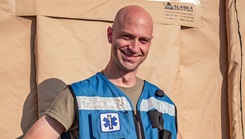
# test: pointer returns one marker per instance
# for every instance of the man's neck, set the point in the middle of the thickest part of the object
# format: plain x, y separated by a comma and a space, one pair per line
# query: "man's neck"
120, 78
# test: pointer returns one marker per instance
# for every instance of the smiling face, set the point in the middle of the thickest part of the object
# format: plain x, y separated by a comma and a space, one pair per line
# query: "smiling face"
130, 38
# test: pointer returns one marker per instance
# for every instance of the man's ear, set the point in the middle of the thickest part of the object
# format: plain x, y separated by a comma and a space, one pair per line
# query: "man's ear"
109, 34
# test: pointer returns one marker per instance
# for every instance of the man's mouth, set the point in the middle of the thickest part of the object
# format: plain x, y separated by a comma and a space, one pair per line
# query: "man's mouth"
129, 56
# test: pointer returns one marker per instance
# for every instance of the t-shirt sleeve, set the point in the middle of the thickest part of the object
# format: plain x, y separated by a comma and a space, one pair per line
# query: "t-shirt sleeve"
62, 109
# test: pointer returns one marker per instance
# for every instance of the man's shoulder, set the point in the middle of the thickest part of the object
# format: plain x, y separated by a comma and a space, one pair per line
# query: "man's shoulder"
150, 84
86, 79
157, 91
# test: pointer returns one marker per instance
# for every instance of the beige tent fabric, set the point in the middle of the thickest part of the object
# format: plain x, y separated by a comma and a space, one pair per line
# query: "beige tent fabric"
18, 109
191, 64
235, 31
203, 69
241, 19
76, 51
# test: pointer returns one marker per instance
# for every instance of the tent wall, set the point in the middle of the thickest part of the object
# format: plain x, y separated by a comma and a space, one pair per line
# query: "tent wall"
235, 31
241, 23
203, 70
18, 101
200, 68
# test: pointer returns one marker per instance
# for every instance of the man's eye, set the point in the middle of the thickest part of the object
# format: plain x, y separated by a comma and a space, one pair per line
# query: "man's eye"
144, 41
126, 37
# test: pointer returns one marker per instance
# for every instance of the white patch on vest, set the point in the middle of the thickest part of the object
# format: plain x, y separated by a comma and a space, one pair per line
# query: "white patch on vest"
102, 103
109, 122
163, 107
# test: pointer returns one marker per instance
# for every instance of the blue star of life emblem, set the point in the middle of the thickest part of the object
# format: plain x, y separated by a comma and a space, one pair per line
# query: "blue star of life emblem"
109, 122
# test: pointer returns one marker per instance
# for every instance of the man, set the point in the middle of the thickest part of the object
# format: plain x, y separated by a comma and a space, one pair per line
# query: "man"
114, 103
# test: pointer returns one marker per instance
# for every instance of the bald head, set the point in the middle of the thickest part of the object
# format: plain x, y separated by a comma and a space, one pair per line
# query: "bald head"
132, 15
130, 37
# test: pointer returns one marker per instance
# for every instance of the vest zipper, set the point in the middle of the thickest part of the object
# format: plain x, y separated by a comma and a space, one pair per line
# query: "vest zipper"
138, 126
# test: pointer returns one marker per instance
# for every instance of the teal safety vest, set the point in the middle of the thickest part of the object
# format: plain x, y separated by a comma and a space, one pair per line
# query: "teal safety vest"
105, 112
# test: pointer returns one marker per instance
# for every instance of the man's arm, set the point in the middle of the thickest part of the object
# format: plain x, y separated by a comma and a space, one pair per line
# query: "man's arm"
45, 127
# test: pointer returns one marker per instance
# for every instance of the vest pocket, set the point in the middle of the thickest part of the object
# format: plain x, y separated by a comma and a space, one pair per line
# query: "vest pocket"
110, 125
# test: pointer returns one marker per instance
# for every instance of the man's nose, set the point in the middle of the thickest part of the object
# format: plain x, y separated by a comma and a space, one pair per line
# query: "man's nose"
134, 47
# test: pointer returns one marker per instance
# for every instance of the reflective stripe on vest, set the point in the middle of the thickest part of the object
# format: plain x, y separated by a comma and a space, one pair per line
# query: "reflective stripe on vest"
103, 103
121, 103
161, 106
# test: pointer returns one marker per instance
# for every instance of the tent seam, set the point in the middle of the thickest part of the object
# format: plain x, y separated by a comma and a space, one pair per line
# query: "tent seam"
240, 41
